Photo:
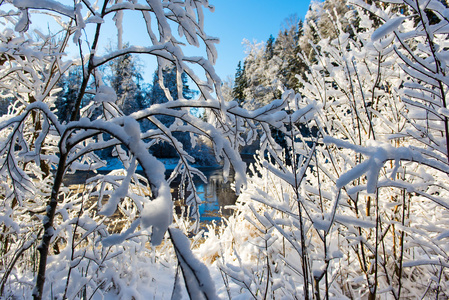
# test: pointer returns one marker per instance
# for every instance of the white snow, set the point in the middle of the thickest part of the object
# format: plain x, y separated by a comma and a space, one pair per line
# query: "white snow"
45, 4
158, 214
119, 193
389, 26
196, 275
105, 94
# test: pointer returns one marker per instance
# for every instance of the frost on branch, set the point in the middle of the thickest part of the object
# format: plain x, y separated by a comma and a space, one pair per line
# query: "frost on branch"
378, 155
198, 282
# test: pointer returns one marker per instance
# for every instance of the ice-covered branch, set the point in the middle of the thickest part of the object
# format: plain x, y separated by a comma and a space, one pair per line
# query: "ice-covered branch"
378, 154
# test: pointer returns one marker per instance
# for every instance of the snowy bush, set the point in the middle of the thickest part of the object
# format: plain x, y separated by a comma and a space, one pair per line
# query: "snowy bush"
360, 210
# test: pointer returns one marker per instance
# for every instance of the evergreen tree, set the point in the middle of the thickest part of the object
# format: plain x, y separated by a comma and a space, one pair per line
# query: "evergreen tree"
162, 94
240, 83
260, 81
124, 78
4, 104
269, 48
158, 95
286, 48
270, 66
141, 99
227, 88
298, 65
66, 99
320, 23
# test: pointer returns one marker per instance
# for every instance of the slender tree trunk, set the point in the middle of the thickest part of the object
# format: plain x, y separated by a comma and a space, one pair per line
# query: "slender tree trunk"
48, 229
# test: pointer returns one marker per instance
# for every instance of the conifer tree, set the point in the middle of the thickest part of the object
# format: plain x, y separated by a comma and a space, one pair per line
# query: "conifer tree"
124, 78
240, 83
286, 48
159, 89
65, 102
163, 91
269, 48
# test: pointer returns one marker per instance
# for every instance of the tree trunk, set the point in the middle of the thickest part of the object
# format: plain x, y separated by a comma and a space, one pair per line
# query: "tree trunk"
48, 229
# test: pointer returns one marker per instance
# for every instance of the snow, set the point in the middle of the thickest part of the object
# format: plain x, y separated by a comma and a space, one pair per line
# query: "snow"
196, 275
387, 28
117, 239
24, 21
105, 94
120, 193
132, 129
94, 19
283, 174
45, 4
158, 214
118, 19
164, 27
350, 221
79, 22
378, 154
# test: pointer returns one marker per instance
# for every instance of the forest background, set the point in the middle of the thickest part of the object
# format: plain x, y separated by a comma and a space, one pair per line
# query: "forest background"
345, 111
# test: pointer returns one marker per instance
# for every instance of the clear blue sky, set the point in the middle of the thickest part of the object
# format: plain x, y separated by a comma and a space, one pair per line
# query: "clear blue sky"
235, 20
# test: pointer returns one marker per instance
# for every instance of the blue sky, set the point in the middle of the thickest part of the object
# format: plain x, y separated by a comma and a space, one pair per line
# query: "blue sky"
235, 20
